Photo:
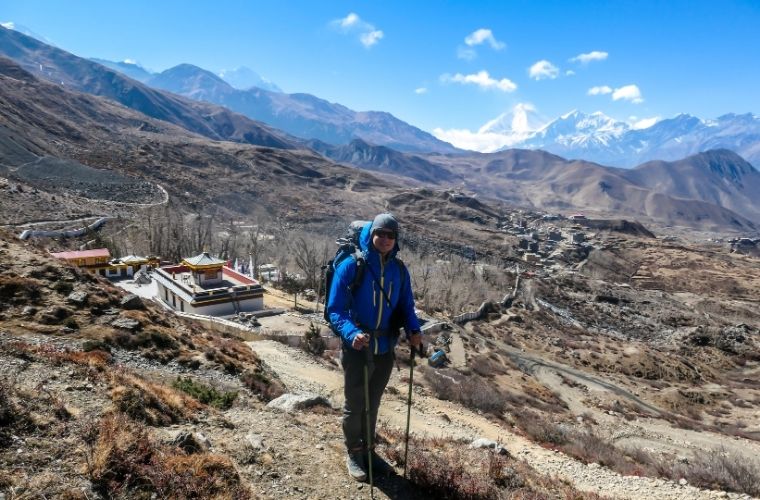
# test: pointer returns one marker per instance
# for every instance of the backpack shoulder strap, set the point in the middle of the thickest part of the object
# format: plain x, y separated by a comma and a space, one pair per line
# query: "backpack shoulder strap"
361, 265
403, 273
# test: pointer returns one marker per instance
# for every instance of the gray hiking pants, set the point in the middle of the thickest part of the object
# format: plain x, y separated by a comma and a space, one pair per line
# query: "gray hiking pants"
354, 417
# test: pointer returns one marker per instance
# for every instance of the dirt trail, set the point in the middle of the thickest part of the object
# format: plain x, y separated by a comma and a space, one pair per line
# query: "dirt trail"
533, 365
434, 417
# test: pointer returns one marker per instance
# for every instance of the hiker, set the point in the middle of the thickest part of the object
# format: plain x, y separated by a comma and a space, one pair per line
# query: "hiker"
363, 320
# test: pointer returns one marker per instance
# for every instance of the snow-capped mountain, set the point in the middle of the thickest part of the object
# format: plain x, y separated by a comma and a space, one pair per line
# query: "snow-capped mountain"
243, 78
521, 120
579, 130
127, 67
601, 139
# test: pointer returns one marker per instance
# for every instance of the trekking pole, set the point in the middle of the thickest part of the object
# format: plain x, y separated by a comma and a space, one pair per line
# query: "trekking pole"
409, 403
368, 360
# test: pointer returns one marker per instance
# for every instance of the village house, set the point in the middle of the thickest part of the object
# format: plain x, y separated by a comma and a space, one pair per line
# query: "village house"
99, 261
205, 285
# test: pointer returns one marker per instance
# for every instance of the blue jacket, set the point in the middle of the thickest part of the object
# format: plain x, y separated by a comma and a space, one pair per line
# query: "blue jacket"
367, 309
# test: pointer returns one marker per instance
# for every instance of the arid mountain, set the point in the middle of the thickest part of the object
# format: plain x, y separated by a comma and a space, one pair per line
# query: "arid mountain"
385, 160
39, 119
549, 182
302, 115
74, 72
720, 176
528, 178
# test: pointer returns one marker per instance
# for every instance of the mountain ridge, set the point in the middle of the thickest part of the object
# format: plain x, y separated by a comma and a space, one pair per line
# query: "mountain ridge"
303, 115
599, 138
66, 69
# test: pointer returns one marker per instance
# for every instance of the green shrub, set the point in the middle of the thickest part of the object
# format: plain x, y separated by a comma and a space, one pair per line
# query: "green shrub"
313, 341
204, 394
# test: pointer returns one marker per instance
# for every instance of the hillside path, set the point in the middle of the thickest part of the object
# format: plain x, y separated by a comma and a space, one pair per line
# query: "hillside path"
433, 417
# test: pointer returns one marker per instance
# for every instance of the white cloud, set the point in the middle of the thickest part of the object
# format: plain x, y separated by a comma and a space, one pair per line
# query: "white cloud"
643, 122
352, 19
475, 141
483, 80
628, 93
482, 35
421, 90
600, 90
506, 130
586, 58
466, 54
129, 61
569, 72
371, 38
543, 69
9, 25
353, 24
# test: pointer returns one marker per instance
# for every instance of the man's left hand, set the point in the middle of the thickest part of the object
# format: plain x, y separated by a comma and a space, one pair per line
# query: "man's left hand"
415, 340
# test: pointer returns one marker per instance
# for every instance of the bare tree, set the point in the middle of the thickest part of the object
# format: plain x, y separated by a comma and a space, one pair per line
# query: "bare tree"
309, 255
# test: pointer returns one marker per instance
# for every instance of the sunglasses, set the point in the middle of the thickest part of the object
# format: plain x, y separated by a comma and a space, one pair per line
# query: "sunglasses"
386, 234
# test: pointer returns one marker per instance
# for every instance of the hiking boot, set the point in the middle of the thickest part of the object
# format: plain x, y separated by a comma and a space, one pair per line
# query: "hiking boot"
380, 466
355, 465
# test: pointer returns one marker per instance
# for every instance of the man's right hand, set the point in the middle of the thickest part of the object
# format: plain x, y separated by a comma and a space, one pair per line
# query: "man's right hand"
360, 341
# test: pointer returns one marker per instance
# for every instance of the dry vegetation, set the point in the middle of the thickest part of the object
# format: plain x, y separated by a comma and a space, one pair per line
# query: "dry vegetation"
126, 462
442, 468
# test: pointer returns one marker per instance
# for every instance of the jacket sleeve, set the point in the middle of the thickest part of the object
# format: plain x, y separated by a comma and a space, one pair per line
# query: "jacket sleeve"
340, 301
406, 301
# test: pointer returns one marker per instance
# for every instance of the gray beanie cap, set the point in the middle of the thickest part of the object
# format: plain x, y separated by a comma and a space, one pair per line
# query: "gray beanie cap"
384, 221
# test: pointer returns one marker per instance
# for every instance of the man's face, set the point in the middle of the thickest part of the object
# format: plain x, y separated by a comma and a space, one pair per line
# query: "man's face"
383, 241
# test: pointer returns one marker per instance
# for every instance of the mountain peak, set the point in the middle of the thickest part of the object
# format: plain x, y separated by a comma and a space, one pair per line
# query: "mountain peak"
725, 163
571, 114
244, 78
521, 119
190, 80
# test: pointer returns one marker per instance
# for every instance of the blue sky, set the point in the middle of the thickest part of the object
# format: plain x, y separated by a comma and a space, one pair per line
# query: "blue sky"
442, 65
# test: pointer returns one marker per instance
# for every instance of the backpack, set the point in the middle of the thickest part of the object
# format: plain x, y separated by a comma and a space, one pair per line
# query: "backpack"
348, 247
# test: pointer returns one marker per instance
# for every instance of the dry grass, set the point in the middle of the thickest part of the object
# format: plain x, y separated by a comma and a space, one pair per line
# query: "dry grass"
471, 391
440, 468
718, 469
19, 290
712, 469
263, 384
127, 463
154, 404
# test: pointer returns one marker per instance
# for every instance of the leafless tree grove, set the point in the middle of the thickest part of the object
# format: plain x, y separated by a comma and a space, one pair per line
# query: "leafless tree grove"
445, 285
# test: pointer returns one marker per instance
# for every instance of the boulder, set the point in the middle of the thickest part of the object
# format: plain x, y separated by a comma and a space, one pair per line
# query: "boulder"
255, 441
131, 301
294, 402
191, 442
77, 298
126, 324
488, 443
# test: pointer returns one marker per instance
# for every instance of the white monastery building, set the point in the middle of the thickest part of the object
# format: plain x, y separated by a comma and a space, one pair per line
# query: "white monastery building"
204, 285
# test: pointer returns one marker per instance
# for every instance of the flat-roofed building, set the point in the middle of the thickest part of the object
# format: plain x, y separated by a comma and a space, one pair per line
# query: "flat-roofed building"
99, 261
89, 259
205, 285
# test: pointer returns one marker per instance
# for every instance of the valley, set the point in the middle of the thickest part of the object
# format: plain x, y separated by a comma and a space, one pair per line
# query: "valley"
604, 323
